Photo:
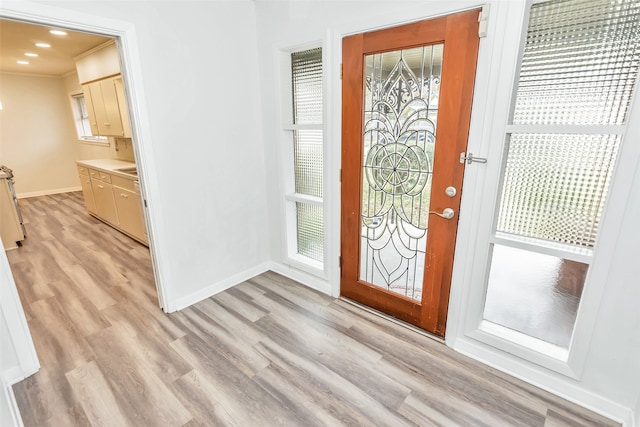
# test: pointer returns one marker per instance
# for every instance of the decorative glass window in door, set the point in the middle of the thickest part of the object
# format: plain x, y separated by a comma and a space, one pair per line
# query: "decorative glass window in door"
399, 138
576, 83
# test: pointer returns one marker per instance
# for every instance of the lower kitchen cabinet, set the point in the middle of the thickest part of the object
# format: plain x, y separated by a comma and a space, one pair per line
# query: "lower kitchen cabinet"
115, 200
105, 202
129, 207
87, 191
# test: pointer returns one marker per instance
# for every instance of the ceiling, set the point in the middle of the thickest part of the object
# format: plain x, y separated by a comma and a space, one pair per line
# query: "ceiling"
19, 38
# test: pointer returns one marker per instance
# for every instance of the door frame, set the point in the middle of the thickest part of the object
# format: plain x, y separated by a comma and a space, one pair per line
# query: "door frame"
131, 70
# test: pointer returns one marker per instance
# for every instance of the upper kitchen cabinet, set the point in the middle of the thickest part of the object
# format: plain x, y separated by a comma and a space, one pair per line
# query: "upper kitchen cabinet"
107, 108
99, 74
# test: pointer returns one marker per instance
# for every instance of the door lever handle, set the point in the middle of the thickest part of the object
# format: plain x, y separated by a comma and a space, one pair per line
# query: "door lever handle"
447, 213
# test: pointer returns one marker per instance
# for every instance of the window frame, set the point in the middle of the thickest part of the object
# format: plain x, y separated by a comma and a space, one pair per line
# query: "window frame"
473, 335
78, 118
289, 197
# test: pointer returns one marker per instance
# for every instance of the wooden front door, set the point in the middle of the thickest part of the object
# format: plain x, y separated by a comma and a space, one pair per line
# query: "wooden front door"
406, 106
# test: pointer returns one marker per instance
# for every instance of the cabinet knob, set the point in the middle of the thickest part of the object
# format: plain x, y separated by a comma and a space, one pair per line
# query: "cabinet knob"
107, 124
123, 195
100, 186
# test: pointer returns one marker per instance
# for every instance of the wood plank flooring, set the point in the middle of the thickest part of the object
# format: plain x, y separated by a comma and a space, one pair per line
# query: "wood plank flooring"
267, 352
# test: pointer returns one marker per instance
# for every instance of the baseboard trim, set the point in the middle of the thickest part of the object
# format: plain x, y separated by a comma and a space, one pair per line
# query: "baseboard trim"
302, 277
47, 192
560, 388
9, 378
213, 289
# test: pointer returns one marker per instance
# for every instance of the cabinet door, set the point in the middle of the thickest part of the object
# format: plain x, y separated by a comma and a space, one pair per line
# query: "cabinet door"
97, 100
113, 123
87, 192
130, 212
105, 203
122, 104
89, 102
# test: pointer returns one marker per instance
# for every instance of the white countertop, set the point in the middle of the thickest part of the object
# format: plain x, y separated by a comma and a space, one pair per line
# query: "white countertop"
109, 165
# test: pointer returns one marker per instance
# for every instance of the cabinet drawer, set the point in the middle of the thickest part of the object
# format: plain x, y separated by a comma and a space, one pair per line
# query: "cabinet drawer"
121, 182
82, 170
94, 174
105, 177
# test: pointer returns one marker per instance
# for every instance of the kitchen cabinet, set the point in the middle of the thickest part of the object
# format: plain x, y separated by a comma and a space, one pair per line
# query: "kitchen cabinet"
105, 203
129, 207
114, 196
87, 191
106, 107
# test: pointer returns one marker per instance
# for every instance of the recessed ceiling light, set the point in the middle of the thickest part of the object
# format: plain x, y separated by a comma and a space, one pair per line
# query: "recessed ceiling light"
43, 45
58, 33
33, 55
23, 62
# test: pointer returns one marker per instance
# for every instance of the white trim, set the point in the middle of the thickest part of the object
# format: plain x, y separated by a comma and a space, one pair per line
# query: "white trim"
222, 285
583, 255
288, 196
9, 396
131, 70
13, 312
13, 376
94, 49
293, 127
529, 373
309, 280
47, 192
305, 264
567, 129
304, 198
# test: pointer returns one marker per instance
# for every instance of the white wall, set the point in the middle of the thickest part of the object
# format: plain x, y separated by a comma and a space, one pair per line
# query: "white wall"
205, 186
610, 381
613, 367
18, 358
37, 134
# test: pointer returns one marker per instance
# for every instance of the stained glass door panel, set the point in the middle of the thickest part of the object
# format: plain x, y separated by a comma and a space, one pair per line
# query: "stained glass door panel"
406, 107
401, 94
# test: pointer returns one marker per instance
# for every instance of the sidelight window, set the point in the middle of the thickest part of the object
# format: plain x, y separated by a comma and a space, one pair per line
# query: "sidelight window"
304, 186
574, 90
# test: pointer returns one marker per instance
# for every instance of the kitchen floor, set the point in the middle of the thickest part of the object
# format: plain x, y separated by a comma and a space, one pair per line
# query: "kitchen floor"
266, 352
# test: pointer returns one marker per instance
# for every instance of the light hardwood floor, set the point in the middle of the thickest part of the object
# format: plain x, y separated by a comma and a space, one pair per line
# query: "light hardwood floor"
266, 352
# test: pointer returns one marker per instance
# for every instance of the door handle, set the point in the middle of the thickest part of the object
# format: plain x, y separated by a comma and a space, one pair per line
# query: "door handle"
447, 213
470, 158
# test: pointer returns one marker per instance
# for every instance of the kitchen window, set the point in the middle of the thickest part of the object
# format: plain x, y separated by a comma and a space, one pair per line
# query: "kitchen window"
303, 153
81, 116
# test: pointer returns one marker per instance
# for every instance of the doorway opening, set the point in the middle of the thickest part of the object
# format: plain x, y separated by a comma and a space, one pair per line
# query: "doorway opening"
39, 50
